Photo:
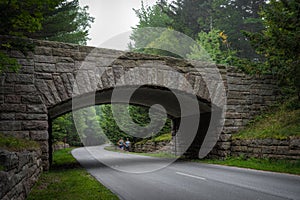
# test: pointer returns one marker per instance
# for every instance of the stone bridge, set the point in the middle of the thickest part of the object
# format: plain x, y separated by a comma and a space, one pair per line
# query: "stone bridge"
56, 75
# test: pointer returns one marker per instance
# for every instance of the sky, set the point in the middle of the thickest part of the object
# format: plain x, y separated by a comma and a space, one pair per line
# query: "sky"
113, 21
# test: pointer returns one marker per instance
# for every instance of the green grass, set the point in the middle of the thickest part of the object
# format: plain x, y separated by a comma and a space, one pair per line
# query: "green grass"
67, 180
158, 154
16, 144
166, 137
279, 124
283, 166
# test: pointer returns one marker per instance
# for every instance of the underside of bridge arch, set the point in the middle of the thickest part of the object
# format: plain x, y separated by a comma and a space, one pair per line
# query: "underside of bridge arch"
147, 96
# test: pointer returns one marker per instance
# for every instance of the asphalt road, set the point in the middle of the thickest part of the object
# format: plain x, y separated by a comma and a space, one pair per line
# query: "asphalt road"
139, 177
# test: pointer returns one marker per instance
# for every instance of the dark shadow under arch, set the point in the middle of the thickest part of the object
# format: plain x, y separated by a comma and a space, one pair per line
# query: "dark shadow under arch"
144, 96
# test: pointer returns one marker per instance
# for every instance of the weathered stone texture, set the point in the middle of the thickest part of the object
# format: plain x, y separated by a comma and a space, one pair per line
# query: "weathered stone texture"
150, 146
267, 148
20, 172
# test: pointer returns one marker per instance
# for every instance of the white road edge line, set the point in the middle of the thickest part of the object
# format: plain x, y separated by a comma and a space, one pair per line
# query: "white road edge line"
197, 177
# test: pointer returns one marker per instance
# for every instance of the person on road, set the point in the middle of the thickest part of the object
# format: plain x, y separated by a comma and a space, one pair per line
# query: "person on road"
127, 144
121, 144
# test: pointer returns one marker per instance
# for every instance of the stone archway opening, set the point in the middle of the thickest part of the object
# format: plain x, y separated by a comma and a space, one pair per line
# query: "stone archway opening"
147, 96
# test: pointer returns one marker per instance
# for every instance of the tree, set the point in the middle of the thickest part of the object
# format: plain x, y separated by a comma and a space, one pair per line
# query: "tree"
186, 14
21, 17
63, 127
194, 16
210, 47
87, 126
18, 18
279, 41
139, 116
59, 20
148, 17
234, 17
68, 22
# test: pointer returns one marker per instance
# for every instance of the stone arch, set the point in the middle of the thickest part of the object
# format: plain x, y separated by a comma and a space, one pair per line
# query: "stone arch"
47, 79
57, 93
147, 96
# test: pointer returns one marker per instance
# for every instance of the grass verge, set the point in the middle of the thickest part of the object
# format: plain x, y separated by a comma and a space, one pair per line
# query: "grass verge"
158, 154
67, 180
280, 123
167, 137
283, 166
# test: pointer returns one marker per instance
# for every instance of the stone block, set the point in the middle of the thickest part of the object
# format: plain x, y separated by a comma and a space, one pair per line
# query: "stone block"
265, 142
10, 126
108, 79
224, 145
47, 51
256, 150
7, 89
31, 116
295, 143
7, 116
68, 79
225, 137
65, 67
26, 69
36, 108
44, 59
45, 67
31, 99
62, 52
8, 159
17, 134
236, 87
43, 87
60, 59
282, 150
60, 87
35, 125
268, 149
44, 147
43, 75
16, 54
23, 160
25, 89
19, 78
293, 152
39, 135
236, 142
12, 99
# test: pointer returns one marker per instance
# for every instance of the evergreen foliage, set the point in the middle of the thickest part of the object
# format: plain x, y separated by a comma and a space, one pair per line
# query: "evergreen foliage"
68, 22
57, 20
279, 41
139, 116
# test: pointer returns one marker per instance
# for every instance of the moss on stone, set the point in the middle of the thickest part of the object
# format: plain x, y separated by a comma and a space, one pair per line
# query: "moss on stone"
16, 144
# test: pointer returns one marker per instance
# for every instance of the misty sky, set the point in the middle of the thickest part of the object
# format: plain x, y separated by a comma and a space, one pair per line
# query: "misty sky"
112, 18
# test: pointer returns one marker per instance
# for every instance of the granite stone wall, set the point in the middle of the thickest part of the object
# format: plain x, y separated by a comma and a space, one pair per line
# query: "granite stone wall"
48, 80
150, 146
18, 173
247, 96
267, 148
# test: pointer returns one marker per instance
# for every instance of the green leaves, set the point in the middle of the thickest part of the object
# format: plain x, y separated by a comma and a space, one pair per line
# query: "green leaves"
56, 20
210, 47
279, 42
139, 116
